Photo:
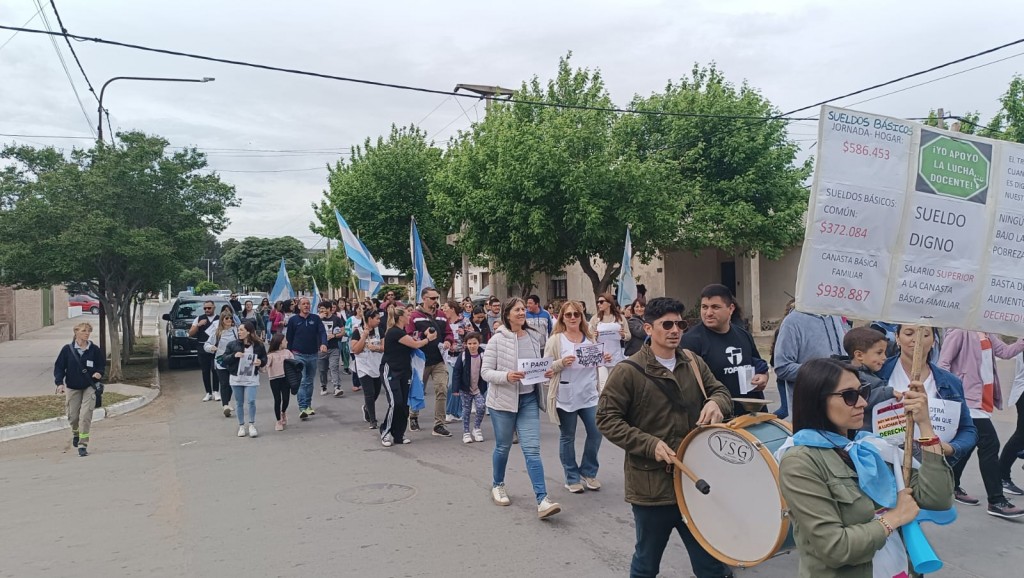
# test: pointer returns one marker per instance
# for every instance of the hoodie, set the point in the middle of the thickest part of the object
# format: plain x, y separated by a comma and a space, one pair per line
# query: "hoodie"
806, 336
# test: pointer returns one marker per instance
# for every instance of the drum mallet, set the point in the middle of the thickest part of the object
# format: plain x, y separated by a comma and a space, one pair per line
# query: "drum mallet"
700, 484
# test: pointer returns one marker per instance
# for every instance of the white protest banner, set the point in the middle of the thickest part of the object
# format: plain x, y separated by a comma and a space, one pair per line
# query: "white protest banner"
590, 355
889, 420
610, 335
534, 370
908, 221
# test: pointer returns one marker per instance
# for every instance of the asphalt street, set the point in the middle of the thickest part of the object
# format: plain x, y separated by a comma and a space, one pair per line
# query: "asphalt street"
170, 490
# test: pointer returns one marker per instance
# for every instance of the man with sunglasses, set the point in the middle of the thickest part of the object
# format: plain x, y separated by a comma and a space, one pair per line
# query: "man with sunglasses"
649, 404
425, 319
200, 330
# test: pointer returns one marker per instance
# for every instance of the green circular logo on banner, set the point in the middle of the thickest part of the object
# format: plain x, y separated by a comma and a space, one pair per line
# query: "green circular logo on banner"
953, 167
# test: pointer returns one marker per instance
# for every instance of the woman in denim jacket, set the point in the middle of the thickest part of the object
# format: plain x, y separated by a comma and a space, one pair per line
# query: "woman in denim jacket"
939, 383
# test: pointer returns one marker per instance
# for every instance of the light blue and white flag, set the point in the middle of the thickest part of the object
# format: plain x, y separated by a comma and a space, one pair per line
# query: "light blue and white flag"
283, 286
627, 284
419, 364
363, 263
419, 266
316, 297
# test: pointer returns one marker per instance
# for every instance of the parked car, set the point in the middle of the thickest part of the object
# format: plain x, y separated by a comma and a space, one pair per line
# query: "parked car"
88, 303
183, 312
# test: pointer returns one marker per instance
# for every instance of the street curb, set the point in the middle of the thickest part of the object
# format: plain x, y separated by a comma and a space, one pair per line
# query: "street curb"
24, 430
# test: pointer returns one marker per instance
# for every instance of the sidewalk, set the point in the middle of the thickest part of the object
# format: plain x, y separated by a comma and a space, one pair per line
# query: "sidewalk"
27, 362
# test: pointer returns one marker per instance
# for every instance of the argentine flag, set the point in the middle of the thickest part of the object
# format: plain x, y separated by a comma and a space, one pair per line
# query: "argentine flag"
316, 298
419, 265
627, 284
419, 364
282, 287
363, 264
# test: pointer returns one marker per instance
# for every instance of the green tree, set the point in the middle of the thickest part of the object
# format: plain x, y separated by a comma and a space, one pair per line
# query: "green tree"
540, 187
190, 277
254, 261
734, 175
330, 271
378, 190
205, 287
1006, 124
122, 219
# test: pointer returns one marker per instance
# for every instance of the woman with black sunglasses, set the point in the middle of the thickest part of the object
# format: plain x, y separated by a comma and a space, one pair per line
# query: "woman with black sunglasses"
840, 491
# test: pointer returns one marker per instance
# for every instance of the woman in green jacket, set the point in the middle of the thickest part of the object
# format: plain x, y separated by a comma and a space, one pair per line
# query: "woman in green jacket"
842, 516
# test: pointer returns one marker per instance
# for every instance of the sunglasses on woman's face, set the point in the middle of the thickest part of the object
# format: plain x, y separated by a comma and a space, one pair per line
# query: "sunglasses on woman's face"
601, 301
573, 314
850, 395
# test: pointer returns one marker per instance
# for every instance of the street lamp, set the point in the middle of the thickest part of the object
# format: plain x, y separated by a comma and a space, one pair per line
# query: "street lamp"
99, 125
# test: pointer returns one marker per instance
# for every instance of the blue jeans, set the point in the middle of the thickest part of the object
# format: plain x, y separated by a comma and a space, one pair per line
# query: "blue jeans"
567, 444
654, 525
527, 422
309, 362
784, 391
245, 395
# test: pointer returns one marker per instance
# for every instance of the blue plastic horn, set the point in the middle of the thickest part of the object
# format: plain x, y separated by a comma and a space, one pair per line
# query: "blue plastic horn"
922, 556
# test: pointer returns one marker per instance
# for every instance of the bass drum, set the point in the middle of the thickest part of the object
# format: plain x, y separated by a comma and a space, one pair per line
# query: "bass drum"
743, 520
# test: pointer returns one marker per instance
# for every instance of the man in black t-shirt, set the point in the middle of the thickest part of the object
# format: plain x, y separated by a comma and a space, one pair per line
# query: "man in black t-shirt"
728, 349
329, 362
200, 331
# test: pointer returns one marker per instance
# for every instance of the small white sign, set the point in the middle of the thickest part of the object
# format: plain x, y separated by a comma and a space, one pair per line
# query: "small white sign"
590, 355
889, 421
745, 375
534, 370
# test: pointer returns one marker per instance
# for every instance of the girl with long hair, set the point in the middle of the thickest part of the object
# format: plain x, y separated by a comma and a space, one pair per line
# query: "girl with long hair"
245, 356
609, 326
368, 348
277, 353
223, 333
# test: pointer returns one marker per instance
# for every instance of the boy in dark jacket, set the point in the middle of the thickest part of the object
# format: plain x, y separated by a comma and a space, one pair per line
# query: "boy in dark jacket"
867, 349
470, 386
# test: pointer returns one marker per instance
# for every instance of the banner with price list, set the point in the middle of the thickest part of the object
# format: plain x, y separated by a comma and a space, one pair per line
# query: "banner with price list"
908, 221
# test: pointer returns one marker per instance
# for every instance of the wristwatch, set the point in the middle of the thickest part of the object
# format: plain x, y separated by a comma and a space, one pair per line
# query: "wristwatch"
929, 441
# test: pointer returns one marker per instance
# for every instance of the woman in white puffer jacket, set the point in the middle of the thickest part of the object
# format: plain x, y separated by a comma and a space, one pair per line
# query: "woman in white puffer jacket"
515, 407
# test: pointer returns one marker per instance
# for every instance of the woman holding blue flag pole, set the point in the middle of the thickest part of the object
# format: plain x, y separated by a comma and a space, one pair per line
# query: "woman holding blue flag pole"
841, 493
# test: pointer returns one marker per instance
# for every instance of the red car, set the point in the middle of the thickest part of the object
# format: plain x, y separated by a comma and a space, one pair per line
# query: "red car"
88, 303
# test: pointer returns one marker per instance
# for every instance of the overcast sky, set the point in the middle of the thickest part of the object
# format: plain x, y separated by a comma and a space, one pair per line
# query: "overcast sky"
796, 52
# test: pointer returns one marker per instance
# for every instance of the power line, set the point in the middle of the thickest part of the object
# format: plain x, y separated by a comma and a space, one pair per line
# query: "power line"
63, 64
378, 83
440, 104
72, 49
936, 79
8, 41
268, 171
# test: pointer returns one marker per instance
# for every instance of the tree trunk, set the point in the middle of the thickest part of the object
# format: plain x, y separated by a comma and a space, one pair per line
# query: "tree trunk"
142, 315
126, 332
601, 283
114, 374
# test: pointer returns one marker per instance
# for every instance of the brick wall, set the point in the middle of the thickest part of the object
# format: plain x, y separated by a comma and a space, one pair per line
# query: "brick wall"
60, 304
28, 311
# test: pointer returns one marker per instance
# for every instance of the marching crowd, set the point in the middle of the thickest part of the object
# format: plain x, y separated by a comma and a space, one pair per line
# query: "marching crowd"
651, 383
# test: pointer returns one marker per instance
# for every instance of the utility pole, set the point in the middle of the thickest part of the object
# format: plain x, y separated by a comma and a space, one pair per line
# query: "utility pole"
942, 117
330, 286
490, 93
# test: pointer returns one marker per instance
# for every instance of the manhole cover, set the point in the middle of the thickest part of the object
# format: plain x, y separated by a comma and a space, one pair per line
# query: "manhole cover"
373, 494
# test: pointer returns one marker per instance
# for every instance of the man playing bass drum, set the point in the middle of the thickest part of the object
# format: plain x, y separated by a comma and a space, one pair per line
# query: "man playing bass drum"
649, 404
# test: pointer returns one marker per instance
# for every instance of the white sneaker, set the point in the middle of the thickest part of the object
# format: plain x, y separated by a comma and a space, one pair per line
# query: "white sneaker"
252, 430
216, 396
478, 436
406, 440
547, 508
467, 438
449, 418
207, 397
499, 495
227, 411
241, 431
323, 391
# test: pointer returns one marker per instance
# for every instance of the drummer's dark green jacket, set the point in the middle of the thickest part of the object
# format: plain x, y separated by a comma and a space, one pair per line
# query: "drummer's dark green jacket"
633, 413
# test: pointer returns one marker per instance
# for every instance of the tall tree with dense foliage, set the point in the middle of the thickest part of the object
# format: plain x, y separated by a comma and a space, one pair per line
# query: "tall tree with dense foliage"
733, 172
254, 261
123, 219
378, 189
